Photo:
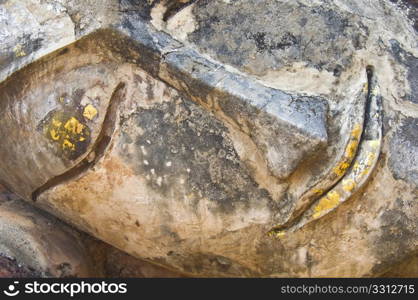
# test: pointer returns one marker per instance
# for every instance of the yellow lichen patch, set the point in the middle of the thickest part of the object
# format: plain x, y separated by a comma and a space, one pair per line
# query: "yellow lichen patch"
351, 149
370, 158
18, 50
327, 203
341, 168
334, 197
375, 90
356, 132
365, 171
74, 126
68, 133
54, 135
276, 234
280, 234
365, 87
89, 112
349, 185
318, 192
66, 144
56, 123
374, 144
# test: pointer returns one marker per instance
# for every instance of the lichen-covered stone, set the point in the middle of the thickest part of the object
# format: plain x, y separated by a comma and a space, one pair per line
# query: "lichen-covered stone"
404, 149
213, 123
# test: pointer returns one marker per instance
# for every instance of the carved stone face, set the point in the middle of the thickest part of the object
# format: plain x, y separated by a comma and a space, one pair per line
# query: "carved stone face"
218, 138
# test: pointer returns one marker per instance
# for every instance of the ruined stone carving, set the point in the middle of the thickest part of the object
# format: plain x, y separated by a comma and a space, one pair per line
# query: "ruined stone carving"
218, 138
353, 169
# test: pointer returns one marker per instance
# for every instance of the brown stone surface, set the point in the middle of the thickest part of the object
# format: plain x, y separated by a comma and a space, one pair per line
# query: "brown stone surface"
107, 260
218, 138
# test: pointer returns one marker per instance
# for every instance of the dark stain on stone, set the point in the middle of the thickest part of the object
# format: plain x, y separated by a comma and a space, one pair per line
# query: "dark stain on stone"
10, 268
30, 44
69, 144
63, 51
78, 94
66, 126
395, 241
139, 7
138, 78
403, 158
173, 7
410, 62
258, 36
411, 6
165, 230
150, 90
183, 144
65, 270
262, 44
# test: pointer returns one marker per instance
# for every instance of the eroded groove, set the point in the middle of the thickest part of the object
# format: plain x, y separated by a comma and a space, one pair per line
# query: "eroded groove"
98, 149
359, 170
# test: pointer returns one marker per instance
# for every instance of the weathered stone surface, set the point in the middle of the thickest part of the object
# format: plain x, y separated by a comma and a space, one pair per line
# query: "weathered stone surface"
260, 36
213, 122
404, 149
53, 249
410, 62
34, 244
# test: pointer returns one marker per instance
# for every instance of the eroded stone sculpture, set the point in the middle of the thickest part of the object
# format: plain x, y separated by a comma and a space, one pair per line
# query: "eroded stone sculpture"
218, 138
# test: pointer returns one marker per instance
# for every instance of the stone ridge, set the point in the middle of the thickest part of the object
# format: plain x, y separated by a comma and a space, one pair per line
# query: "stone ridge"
288, 127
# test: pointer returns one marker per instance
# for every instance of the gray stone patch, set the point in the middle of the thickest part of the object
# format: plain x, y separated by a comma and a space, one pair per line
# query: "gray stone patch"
395, 240
150, 43
182, 144
410, 62
258, 36
286, 127
403, 158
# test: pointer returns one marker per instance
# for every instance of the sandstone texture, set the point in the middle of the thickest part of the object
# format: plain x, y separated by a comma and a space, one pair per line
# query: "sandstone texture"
219, 138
